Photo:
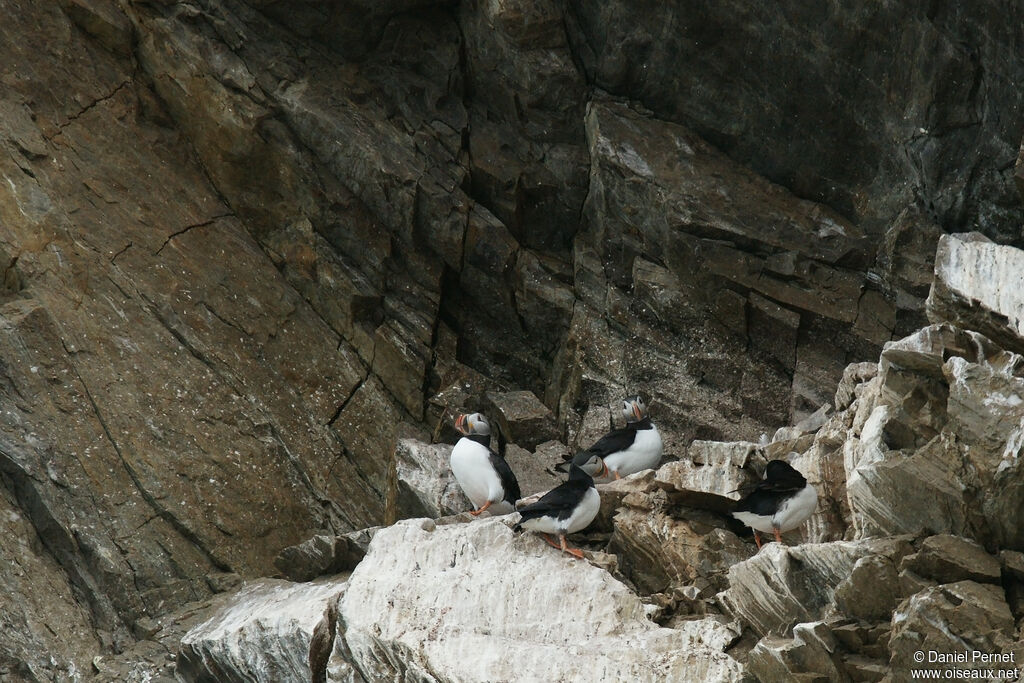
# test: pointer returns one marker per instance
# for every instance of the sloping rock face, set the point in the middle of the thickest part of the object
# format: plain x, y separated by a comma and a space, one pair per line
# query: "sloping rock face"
698, 273
748, 79
167, 396
247, 246
268, 631
511, 591
512, 610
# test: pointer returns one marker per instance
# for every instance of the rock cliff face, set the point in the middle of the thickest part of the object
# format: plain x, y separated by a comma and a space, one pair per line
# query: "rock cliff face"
247, 246
915, 547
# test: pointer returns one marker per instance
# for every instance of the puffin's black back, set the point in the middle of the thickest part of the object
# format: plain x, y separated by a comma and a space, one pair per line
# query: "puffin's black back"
781, 482
509, 483
560, 501
613, 442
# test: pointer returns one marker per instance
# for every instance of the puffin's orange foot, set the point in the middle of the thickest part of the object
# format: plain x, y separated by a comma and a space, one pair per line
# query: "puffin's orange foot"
551, 541
575, 552
617, 475
778, 536
757, 539
476, 513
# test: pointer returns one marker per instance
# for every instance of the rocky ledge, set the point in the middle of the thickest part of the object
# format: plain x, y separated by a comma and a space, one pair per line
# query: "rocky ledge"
915, 545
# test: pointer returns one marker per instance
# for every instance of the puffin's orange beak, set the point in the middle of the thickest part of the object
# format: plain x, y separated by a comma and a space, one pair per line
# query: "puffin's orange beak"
460, 423
604, 470
636, 411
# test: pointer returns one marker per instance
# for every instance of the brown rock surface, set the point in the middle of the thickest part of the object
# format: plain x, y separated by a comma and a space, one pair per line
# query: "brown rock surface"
246, 245
948, 559
522, 418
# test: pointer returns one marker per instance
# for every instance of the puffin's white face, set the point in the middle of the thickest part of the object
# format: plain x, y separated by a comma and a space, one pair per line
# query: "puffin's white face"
473, 423
634, 409
594, 466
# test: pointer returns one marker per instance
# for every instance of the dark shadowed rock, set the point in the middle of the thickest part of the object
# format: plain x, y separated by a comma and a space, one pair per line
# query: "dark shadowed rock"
522, 418
322, 555
948, 559
753, 86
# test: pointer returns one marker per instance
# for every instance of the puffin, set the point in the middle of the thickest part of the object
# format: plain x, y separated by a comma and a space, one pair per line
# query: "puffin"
782, 501
484, 476
621, 452
565, 509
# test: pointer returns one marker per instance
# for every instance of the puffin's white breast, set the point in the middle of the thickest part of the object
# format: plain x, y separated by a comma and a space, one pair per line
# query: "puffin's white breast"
797, 509
471, 465
791, 514
582, 515
585, 512
762, 523
643, 454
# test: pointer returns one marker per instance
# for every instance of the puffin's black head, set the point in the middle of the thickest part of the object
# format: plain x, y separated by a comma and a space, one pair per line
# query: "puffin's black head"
579, 474
780, 471
634, 409
473, 423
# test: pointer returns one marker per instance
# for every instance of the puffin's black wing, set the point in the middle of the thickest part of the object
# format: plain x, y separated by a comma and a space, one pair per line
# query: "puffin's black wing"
768, 497
558, 502
508, 478
612, 442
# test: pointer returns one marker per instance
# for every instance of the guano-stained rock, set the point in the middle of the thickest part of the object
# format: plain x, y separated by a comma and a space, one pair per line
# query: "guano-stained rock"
950, 618
270, 631
979, 285
712, 474
514, 609
783, 586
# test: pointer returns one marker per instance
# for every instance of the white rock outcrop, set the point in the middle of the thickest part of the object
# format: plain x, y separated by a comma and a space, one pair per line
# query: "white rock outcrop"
933, 433
712, 473
920, 474
979, 285
271, 631
782, 586
475, 602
